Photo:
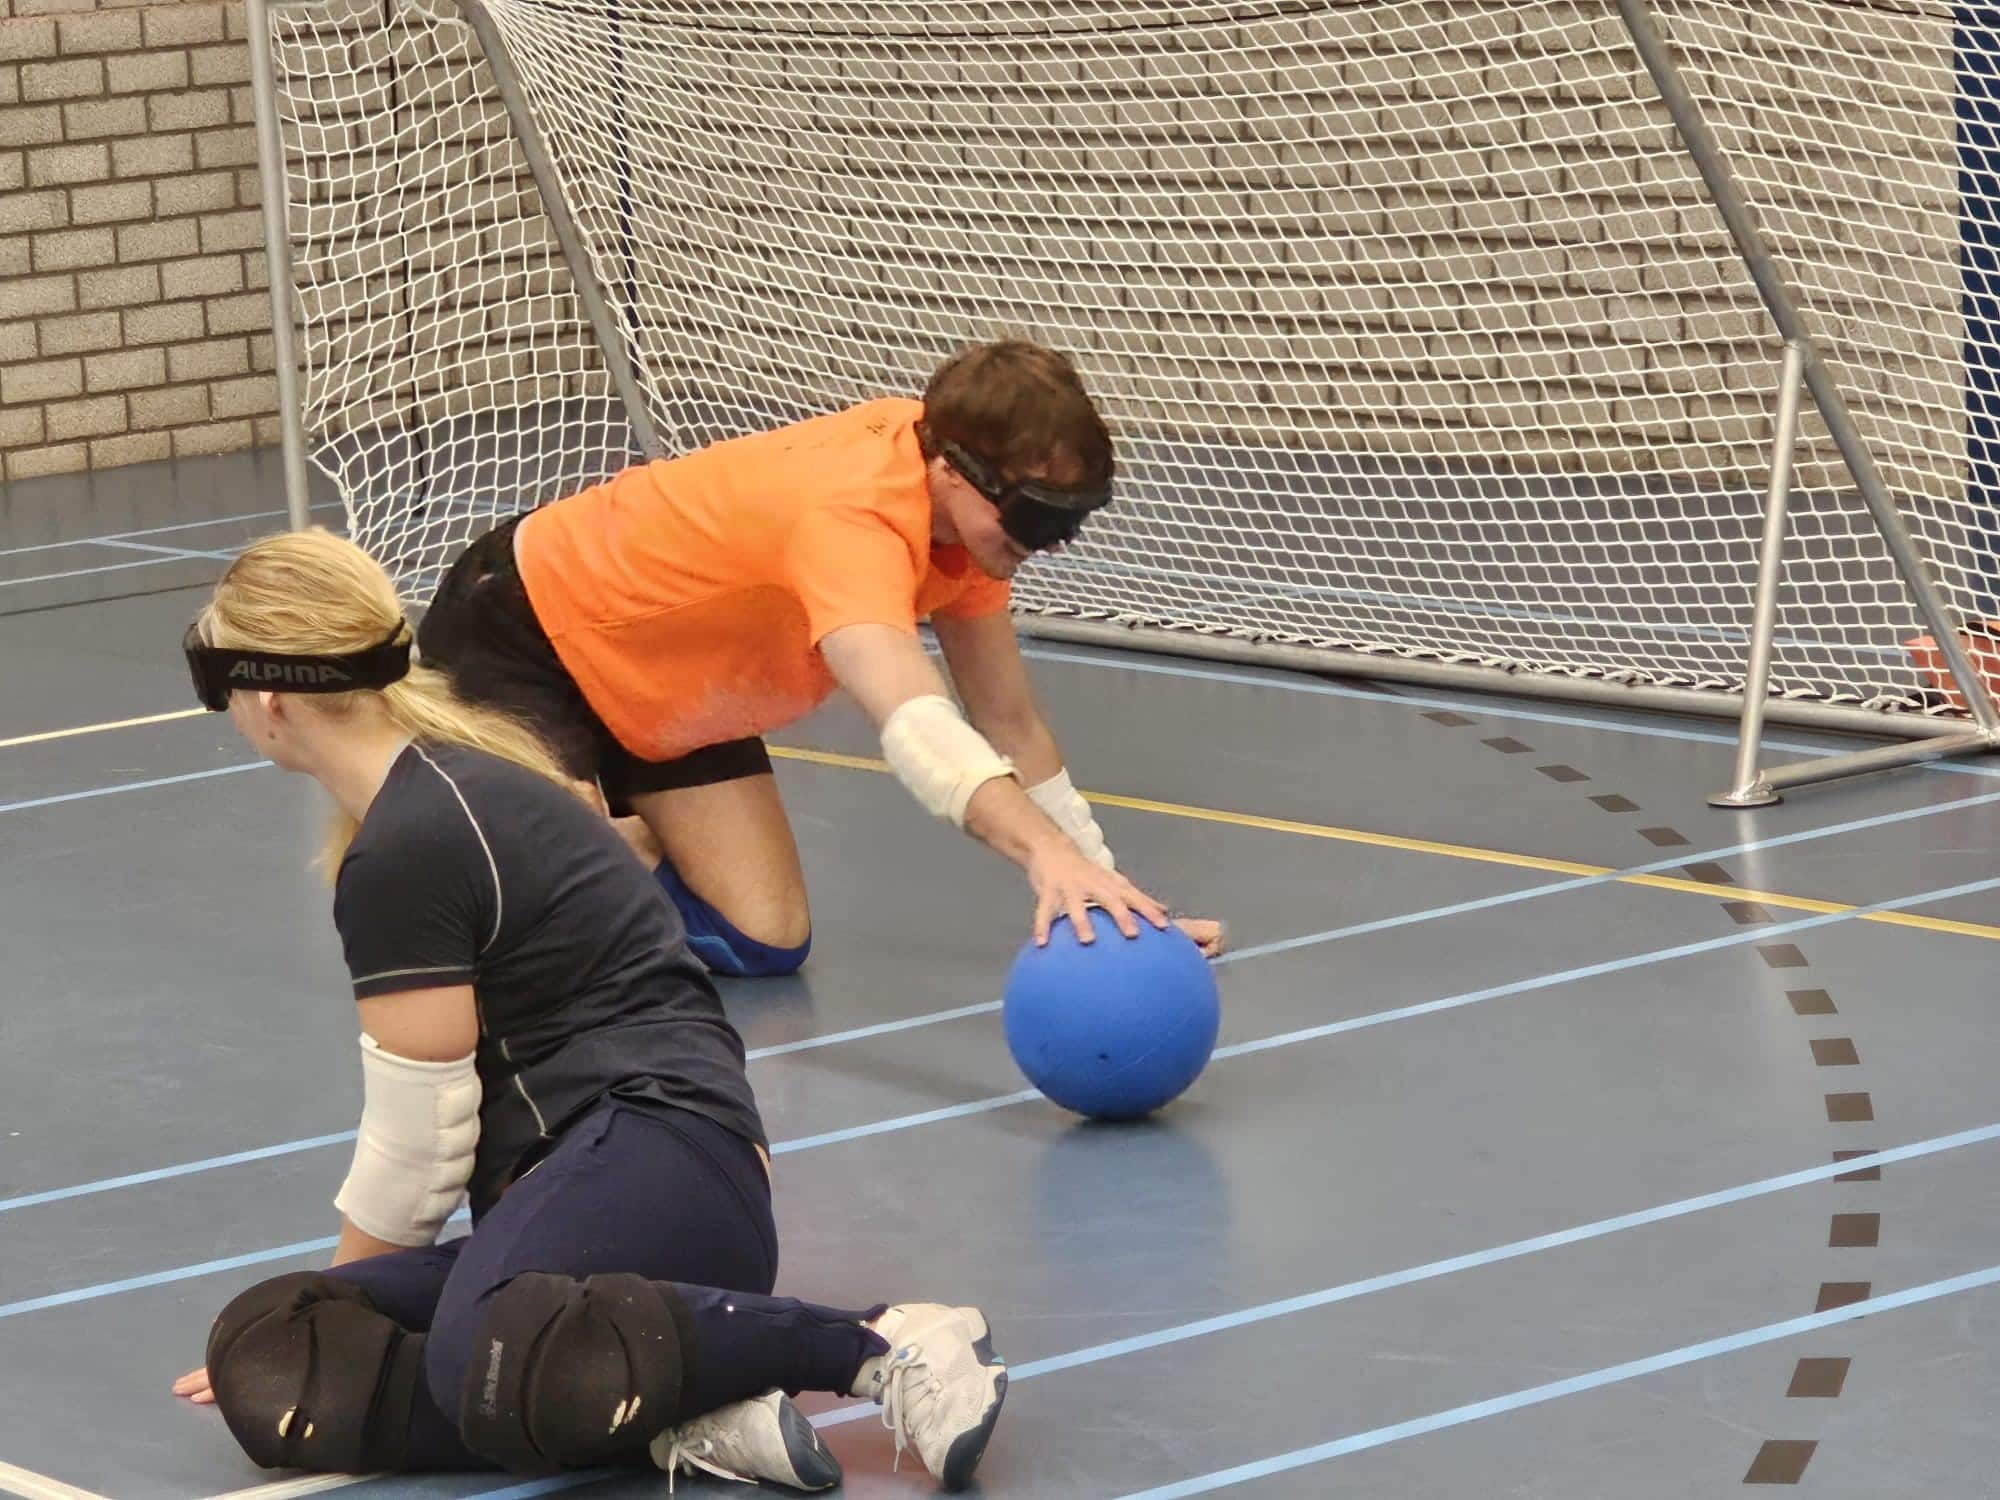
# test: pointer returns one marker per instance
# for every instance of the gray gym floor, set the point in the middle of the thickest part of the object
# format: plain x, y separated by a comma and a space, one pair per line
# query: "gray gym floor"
1512, 1176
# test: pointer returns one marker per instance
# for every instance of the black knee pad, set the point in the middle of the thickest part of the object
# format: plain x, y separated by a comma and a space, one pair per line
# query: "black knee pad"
570, 1374
309, 1375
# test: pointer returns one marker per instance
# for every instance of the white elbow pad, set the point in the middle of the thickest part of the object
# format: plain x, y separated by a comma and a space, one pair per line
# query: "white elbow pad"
941, 759
1059, 798
419, 1132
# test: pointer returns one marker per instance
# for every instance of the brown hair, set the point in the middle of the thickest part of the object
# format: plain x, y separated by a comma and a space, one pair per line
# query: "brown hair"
312, 593
1017, 404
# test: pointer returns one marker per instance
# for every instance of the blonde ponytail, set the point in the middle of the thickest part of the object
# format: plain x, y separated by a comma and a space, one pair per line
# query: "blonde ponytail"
315, 594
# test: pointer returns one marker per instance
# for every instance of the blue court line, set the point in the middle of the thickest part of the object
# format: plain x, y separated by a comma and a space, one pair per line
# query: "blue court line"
119, 567
1536, 1395
1493, 707
161, 1174
987, 1007
1240, 1049
1368, 1286
342, 1137
162, 1278
120, 536
1473, 1260
1763, 933
169, 551
129, 786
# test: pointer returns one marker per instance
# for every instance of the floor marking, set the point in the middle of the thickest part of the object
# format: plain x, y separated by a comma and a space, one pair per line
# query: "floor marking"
1554, 1390
119, 567
162, 1174
1004, 1101
311, 1484
119, 536
1609, 873
1496, 706
64, 734
1637, 875
32, 1486
1606, 873
170, 551
130, 786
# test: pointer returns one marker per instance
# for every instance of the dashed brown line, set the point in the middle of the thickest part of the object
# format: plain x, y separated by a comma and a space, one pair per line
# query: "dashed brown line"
1859, 1174
1748, 913
1834, 1294
1817, 1377
1447, 718
1780, 1461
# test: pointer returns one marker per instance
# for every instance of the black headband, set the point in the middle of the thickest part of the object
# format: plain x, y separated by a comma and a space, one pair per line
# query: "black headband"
219, 670
1033, 512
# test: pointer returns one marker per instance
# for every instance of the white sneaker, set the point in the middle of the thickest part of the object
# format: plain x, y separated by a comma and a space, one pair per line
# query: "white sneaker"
764, 1438
940, 1386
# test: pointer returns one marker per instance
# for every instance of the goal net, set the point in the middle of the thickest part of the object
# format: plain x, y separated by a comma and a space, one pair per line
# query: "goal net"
1416, 325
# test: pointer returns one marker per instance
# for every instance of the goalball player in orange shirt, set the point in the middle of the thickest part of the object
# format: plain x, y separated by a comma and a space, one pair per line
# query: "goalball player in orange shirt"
654, 627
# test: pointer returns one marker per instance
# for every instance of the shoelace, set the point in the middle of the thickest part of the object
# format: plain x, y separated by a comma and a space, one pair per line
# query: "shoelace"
697, 1455
901, 1389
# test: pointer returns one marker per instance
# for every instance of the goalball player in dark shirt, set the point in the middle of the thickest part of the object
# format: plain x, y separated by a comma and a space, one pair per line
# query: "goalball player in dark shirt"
536, 1035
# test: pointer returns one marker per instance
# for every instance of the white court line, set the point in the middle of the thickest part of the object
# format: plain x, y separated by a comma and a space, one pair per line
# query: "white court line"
118, 567
29, 1485
169, 551
315, 1484
119, 536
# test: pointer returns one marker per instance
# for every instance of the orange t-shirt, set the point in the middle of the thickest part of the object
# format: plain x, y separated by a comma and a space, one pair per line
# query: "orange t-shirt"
688, 596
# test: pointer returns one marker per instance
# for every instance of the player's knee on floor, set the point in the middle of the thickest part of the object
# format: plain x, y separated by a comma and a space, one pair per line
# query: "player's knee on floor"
718, 943
568, 1374
308, 1375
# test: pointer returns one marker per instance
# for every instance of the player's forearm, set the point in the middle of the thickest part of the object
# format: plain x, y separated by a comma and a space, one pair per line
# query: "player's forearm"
1001, 817
358, 1244
1027, 742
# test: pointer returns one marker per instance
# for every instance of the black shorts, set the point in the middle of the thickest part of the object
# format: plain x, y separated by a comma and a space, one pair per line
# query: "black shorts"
481, 631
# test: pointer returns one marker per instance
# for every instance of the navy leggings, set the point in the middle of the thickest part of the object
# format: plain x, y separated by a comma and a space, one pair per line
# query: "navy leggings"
637, 1188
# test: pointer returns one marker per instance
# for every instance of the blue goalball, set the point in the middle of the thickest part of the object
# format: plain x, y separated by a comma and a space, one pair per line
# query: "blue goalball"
1115, 1029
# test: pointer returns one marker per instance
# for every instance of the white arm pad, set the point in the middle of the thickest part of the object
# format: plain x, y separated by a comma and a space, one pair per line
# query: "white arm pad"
419, 1130
1059, 798
937, 755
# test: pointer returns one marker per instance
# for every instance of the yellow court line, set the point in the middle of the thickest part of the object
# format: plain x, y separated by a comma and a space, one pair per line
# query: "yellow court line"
1472, 853
1467, 852
64, 734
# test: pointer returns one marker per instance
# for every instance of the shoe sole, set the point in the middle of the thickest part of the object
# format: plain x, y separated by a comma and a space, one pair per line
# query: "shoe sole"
813, 1463
970, 1446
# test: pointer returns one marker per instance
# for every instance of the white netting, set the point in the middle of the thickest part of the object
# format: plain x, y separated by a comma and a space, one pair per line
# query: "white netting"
1416, 326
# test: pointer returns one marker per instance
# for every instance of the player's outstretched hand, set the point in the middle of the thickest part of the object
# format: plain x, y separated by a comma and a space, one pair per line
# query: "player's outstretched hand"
194, 1386
1066, 884
1210, 936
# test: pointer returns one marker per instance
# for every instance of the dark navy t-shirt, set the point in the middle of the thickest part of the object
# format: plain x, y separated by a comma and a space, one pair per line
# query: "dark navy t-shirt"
470, 870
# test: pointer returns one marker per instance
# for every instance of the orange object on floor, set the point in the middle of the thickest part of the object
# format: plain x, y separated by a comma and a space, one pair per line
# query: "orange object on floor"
1981, 639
